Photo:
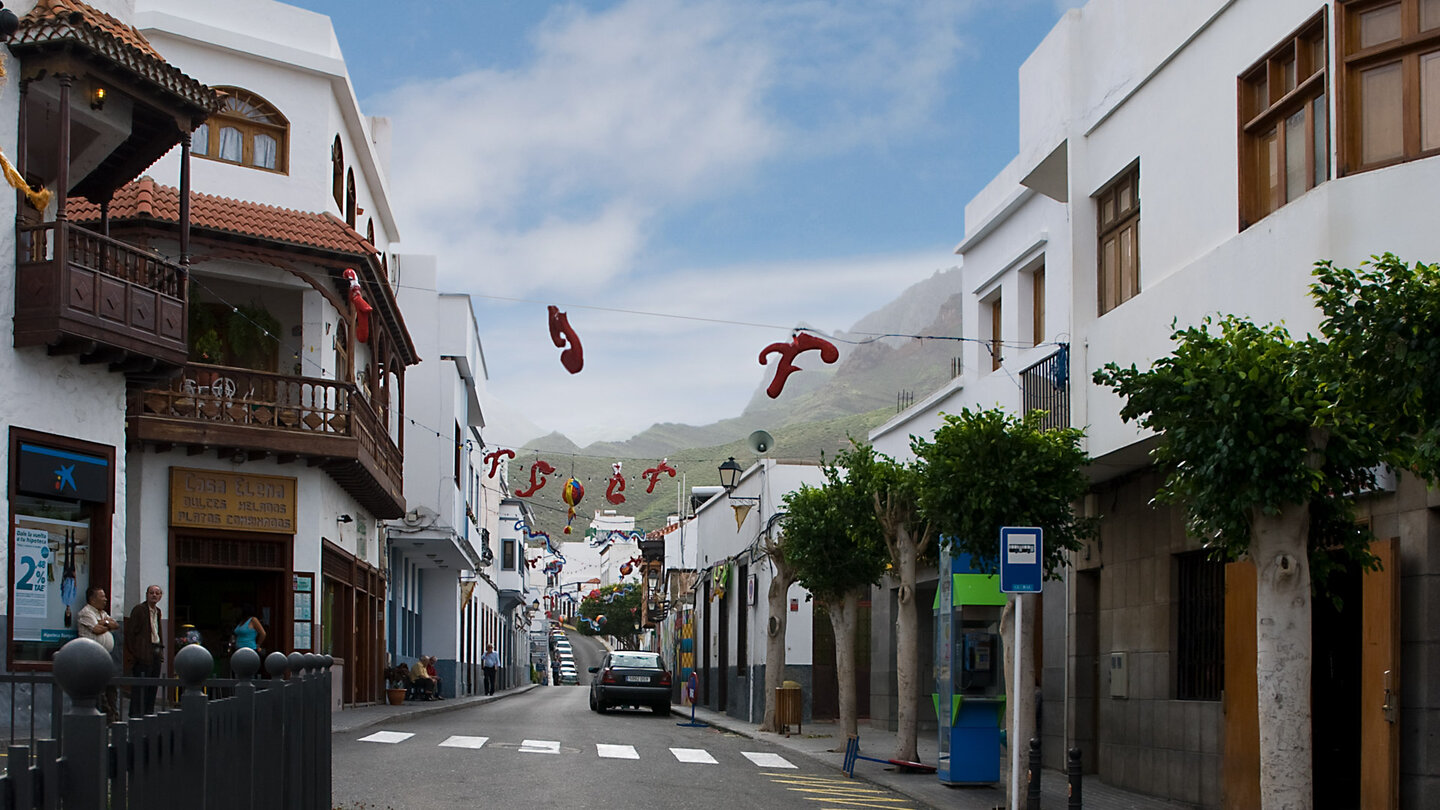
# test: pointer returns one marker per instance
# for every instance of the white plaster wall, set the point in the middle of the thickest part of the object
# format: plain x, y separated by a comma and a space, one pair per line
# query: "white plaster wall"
440, 613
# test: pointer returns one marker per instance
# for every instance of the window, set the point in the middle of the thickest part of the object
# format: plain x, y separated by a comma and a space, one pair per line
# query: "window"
507, 554
995, 355
337, 173
1118, 208
1037, 306
459, 455
247, 130
1390, 82
1284, 125
1200, 626
350, 197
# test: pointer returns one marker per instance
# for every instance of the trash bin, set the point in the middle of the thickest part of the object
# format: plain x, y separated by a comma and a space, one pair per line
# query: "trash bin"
789, 708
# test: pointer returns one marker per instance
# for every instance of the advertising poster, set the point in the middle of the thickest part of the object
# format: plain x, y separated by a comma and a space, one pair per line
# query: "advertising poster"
32, 574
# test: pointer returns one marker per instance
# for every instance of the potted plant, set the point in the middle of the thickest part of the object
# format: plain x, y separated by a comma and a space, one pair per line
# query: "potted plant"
396, 684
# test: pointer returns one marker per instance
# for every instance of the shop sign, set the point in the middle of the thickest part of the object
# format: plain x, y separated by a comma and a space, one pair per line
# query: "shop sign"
209, 499
51, 473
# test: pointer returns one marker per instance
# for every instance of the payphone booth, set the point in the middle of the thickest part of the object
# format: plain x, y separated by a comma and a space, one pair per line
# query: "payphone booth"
969, 678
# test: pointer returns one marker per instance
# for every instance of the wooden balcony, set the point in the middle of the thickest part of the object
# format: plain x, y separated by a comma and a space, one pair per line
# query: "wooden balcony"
241, 413
77, 292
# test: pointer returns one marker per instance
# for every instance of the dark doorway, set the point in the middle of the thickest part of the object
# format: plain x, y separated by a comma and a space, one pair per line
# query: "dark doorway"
723, 675
211, 599
702, 665
1335, 689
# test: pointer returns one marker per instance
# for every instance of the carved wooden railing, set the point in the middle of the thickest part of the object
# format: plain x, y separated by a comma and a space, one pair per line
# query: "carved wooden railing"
308, 406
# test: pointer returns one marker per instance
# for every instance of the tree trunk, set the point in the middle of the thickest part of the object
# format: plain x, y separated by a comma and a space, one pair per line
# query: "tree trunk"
1278, 546
907, 648
844, 614
775, 640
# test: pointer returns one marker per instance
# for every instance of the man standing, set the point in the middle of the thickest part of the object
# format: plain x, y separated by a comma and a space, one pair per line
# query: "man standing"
489, 663
144, 648
96, 624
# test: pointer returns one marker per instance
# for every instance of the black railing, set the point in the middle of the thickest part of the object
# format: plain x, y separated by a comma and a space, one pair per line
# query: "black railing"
1045, 386
223, 744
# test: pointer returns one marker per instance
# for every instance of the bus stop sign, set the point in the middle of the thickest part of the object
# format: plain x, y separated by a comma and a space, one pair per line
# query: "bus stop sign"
1021, 559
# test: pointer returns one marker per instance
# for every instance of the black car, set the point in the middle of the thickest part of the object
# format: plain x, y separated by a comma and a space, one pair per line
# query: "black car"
630, 678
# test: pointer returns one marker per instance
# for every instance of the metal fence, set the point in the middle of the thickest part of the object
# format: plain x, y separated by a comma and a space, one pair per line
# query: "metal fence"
217, 744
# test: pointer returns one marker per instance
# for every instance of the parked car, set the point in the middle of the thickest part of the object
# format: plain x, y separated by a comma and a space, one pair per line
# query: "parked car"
568, 675
630, 678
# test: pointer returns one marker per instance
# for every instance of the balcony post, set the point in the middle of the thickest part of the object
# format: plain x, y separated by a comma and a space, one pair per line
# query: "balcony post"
184, 210
62, 179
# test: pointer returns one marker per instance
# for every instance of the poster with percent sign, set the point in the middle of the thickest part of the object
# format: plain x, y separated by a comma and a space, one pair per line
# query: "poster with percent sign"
32, 566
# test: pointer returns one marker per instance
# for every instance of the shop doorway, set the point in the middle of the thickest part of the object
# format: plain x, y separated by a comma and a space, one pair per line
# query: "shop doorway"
212, 599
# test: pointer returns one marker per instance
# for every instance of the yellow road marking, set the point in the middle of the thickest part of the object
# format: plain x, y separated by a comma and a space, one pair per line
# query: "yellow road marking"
839, 794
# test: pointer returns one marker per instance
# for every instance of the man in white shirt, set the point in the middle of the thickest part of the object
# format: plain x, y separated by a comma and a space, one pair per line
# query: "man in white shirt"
489, 665
97, 624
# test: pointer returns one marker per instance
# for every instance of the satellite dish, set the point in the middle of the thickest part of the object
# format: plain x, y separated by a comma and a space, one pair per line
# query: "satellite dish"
760, 442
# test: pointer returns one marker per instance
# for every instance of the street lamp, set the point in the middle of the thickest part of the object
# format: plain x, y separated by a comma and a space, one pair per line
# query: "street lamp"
730, 473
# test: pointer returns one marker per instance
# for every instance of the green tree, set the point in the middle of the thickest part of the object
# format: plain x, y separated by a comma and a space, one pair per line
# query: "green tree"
833, 540
989, 469
615, 611
776, 548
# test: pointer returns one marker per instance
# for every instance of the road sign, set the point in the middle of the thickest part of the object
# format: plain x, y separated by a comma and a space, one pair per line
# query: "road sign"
1022, 564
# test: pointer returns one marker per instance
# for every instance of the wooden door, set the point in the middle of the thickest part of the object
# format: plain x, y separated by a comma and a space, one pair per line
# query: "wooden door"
1380, 681
1240, 768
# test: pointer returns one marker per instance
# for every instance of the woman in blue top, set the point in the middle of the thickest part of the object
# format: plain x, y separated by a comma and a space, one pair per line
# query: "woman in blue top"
249, 632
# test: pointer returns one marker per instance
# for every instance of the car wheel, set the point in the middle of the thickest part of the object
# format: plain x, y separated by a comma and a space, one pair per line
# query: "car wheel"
601, 708
593, 707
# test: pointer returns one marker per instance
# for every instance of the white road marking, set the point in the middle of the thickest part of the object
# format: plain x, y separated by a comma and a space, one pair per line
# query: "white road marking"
695, 755
388, 737
459, 741
616, 751
767, 760
540, 747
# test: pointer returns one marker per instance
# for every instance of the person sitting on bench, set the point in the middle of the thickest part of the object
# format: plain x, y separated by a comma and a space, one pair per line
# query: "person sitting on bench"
421, 679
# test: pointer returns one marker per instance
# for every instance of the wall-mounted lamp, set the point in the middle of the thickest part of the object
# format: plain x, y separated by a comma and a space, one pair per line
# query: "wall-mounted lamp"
730, 473
344, 519
97, 97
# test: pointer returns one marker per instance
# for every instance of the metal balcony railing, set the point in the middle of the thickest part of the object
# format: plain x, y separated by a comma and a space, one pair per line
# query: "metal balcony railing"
1045, 386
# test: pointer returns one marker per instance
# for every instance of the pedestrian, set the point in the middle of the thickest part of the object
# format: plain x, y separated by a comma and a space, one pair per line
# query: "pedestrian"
555, 668
489, 664
96, 623
434, 677
420, 677
249, 632
144, 649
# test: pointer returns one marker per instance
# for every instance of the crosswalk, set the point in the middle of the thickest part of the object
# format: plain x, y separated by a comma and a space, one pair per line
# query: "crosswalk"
688, 756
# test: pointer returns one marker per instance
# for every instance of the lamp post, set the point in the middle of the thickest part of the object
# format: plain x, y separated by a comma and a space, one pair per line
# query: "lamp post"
730, 474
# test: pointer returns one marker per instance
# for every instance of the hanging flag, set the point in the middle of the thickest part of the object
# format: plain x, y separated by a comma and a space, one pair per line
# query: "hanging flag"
362, 308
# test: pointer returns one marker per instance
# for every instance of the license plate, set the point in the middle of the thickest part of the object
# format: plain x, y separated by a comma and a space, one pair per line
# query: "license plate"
637, 678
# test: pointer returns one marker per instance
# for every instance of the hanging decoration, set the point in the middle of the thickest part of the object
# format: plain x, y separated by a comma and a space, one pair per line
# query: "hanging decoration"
540, 468
653, 474
572, 494
493, 459
719, 578
561, 333
616, 486
362, 308
799, 342
531, 562
67, 579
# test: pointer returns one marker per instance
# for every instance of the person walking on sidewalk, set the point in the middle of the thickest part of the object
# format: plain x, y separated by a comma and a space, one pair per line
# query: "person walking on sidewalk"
144, 650
489, 664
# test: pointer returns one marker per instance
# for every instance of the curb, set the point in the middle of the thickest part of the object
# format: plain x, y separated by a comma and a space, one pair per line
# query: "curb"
447, 705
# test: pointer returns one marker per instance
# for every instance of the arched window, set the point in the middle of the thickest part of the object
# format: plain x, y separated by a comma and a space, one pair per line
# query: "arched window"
247, 130
337, 173
370, 231
350, 197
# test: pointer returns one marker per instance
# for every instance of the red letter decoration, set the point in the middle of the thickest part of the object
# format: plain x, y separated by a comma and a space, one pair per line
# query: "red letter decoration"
573, 358
616, 486
654, 474
542, 468
362, 309
493, 459
800, 342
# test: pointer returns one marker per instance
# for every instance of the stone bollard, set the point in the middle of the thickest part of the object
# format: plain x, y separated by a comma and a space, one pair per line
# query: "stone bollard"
1072, 770
1032, 796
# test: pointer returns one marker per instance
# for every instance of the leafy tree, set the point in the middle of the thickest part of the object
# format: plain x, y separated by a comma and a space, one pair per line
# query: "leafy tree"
893, 490
989, 469
615, 611
1260, 437
833, 539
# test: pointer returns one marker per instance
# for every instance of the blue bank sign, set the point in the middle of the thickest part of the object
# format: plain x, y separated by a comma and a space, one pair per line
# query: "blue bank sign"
1021, 559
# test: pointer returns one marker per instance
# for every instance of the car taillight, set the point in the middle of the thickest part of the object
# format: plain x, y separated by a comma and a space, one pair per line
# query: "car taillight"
665, 678
608, 676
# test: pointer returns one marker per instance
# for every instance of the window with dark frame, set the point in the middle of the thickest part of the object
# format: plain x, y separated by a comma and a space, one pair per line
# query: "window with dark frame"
1284, 123
1389, 86
996, 357
1037, 305
507, 554
337, 174
1117, 207
247, 130
1200, 626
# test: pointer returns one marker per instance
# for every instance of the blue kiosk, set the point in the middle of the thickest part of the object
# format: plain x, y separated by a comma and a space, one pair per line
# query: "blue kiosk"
969, 678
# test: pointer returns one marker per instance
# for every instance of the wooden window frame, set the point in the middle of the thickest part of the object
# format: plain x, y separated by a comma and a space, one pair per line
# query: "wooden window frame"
1122, 218
997, 311
1268, 94
337, 173
1352, 61
277, 128
1037, 305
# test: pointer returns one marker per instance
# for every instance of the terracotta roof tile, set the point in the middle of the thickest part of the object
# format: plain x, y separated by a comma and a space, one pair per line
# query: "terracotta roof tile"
95, 18
147, 199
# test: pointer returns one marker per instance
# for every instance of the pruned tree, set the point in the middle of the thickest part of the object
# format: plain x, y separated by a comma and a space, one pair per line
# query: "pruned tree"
893, 489
988, 469
776, 546
614, 611
832, 536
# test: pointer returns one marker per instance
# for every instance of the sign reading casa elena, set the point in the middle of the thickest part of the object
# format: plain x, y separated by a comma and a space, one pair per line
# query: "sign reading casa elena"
208, 499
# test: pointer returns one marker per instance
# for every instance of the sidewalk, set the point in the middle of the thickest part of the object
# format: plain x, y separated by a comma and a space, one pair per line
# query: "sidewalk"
825, 743
360, 717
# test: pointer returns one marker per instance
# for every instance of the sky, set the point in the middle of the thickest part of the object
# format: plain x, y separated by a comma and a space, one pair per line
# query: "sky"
687, 180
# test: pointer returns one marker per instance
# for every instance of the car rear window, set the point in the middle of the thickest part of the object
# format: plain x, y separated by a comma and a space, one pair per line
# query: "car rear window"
649, 660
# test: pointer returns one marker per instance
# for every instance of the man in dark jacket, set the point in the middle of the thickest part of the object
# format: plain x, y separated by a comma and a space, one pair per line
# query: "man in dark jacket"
144, 649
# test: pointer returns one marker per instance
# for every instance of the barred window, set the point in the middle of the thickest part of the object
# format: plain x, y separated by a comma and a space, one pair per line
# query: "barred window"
1200, 626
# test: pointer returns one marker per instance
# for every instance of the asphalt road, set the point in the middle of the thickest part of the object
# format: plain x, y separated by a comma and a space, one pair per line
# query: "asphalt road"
545, 749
